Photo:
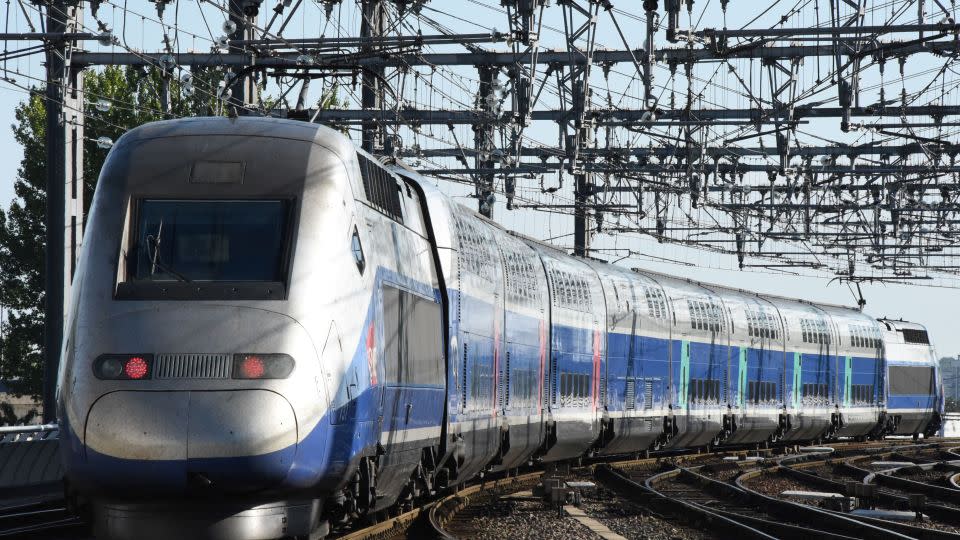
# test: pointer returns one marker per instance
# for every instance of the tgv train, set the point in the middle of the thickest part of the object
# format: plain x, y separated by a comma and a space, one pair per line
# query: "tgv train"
272, 332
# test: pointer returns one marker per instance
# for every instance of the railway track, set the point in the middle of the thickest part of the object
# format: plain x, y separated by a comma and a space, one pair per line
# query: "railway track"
706, 492
689, 495
839, 477
45, 517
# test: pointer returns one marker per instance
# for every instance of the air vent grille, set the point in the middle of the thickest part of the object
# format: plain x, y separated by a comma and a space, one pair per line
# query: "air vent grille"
192, 366
915, 336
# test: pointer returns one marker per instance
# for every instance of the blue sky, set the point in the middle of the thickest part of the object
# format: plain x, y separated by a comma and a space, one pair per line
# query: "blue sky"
200, 23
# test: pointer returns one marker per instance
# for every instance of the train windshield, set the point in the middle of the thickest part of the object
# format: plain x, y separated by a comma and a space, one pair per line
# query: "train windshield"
211, 240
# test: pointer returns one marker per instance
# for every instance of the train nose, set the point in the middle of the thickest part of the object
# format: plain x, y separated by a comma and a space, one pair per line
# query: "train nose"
223, 441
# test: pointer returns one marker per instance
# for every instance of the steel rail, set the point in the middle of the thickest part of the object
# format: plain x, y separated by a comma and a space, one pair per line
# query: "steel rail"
36, 428
647, 495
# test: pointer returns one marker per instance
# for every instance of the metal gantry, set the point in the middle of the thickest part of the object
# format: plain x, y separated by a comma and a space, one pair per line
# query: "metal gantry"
819, 136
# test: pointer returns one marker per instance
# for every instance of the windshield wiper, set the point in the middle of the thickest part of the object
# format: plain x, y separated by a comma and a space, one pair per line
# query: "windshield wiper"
153, 251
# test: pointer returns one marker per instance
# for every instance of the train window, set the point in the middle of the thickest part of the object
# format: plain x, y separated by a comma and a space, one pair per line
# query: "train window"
357, 248
392, 334
911, 380
862, 393
574, 387
412, 338
210, 240
656, 302
481, 383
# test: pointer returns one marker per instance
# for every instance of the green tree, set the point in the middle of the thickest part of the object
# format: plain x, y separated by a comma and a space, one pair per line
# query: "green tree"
117, 99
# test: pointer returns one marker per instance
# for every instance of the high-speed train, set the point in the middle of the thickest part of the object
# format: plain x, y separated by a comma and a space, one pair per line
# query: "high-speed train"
272, 332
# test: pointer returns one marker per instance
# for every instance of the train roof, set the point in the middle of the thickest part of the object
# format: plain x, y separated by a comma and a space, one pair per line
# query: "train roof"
247, 126
714, 286
593, 261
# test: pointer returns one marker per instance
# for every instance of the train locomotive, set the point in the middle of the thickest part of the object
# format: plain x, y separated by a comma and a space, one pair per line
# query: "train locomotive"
272, 332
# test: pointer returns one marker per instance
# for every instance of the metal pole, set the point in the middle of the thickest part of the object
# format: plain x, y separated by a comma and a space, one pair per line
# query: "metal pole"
371, 95
242, 14
55, 208
581, 236
483, 137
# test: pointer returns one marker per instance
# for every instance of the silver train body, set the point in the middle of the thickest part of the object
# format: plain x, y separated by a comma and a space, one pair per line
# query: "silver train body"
271, 333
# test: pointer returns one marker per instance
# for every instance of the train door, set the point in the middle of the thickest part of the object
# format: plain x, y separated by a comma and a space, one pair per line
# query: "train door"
726, 356
395, 399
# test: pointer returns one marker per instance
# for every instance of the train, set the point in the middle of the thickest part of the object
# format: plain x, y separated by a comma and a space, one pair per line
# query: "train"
273, 333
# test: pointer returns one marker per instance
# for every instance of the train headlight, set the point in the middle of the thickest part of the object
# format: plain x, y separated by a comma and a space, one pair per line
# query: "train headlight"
262, 366
123, 366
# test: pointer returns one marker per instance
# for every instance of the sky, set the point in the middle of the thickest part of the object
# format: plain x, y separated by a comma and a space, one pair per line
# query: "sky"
199, 23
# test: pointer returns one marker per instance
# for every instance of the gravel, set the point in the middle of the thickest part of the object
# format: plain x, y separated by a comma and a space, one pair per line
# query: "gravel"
512, 519
520, 520
633, 521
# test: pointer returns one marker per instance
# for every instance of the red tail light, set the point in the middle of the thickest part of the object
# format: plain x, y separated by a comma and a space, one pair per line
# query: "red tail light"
123, 366
136, 367
262, 366
251, 367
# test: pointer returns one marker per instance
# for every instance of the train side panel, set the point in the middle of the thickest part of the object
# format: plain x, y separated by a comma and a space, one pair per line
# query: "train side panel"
577, 343
699, 349
636, 365
912, 379
860, 354
755, 368
523, 371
